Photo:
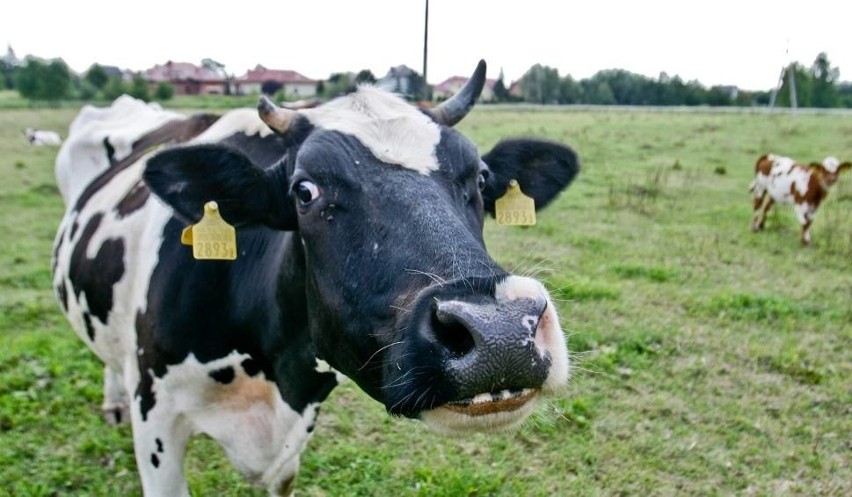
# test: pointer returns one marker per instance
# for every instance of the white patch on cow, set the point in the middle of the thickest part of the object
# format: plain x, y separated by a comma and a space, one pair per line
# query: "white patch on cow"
831, 164
83, 156
549, 337
324, 367
392, 129
261, 435
239, 120
804, 212
782, 178
116, 340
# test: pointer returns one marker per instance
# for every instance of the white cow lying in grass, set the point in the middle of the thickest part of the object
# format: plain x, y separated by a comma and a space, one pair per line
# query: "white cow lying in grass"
39, 137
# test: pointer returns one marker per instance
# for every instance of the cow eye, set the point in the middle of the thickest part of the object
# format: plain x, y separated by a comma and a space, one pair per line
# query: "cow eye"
483, 177
306, 191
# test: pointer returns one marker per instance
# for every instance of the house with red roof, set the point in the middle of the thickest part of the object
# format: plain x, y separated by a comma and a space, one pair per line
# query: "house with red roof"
270, 81
189, 79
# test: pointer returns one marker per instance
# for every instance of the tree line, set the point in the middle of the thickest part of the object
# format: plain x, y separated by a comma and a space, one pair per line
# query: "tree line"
816, 85
53, 80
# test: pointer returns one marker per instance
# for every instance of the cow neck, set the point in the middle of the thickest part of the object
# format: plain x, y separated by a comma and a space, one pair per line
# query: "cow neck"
822, 183
289, 347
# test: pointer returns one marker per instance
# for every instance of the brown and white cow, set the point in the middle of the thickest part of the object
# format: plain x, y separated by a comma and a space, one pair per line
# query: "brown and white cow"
358, 245
781, 180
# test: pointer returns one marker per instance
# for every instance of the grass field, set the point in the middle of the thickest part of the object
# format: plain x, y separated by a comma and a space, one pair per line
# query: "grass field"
709, 360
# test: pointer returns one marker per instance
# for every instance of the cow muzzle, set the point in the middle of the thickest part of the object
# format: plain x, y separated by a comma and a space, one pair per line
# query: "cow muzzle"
498, 356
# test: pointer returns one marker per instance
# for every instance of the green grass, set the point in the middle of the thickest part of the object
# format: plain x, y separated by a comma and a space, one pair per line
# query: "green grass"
709, 360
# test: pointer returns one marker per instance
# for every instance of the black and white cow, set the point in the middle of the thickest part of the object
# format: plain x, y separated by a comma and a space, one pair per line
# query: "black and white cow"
359, 235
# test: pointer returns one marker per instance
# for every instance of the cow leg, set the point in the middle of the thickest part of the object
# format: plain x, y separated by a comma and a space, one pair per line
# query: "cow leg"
116, 409
756, 223
762, 219
159, 442
261, 435
805, 216
806, 233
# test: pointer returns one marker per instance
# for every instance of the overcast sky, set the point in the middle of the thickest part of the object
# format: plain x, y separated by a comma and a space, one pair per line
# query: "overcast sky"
738, 42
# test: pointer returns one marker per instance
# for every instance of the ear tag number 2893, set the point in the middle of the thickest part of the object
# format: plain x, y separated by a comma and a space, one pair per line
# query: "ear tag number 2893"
211, 238
514, 208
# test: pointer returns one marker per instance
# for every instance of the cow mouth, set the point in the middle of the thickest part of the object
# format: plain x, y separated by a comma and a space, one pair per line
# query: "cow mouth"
488, 412
490, 403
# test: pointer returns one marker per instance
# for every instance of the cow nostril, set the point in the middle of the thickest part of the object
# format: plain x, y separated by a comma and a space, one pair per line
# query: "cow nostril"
452, 334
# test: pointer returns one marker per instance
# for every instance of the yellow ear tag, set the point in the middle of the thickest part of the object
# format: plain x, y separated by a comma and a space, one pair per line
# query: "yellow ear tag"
212, 238
514, 208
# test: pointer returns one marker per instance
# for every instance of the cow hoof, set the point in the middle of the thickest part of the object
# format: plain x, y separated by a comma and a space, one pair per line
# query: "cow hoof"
117, 414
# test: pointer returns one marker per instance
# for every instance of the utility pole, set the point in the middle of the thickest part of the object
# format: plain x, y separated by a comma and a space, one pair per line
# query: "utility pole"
425, 53
791, 77
790, 71
778, 86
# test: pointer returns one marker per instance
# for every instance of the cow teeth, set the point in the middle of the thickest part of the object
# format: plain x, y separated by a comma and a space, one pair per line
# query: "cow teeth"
502, 395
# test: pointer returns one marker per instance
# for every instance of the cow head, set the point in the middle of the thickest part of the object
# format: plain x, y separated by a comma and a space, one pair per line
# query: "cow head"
388, 203
828, 171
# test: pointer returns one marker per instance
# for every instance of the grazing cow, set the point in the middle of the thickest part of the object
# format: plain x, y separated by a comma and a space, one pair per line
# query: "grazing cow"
358, 246
41, 137
786, 182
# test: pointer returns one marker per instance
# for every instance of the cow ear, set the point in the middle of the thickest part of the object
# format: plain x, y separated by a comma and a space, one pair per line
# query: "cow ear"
188, 177
543, 169
845, 165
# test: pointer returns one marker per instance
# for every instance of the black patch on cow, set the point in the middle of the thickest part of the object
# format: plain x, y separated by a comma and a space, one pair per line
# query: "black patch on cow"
155, 460
62, 294
178, 131
159, 445
90, 330
212, 308
73, 231
96, 277
134, 200
144, 390
250, 366
170, 132
224, 375
110, 151
59, 241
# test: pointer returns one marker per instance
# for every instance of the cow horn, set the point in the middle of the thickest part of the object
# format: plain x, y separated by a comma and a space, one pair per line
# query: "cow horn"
453, 110
277, 118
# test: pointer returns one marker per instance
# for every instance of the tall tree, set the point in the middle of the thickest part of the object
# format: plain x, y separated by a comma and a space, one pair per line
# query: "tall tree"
97, 76
798, 76
139, 88
365, 76
540, 84
38, 80
501, 94
824, 91
570, 91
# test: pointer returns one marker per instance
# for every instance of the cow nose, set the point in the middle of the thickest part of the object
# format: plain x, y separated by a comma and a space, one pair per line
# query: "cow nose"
490, 345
